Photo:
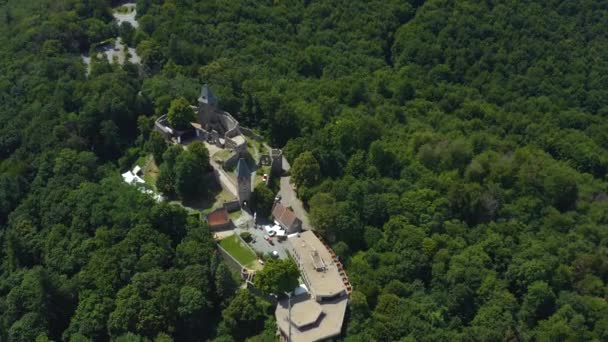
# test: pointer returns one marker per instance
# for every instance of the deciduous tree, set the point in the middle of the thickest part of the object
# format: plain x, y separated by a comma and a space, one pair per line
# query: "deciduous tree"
262, 200
180, 114
278, 277
305, 170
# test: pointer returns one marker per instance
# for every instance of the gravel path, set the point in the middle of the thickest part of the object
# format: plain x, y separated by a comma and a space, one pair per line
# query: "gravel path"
223, 178
118, 52
290, 199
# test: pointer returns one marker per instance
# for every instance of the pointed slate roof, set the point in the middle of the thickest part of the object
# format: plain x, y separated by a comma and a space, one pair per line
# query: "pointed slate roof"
242, 170
207, 96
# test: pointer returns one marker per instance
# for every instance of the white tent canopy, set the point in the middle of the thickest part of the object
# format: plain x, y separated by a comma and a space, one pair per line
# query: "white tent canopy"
276, 228
131, 178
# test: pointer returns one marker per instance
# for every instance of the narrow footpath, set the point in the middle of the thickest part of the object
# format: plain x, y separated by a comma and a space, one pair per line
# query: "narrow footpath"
226, 183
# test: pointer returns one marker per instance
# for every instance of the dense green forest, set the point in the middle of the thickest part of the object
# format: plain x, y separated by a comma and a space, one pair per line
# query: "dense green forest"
454, 153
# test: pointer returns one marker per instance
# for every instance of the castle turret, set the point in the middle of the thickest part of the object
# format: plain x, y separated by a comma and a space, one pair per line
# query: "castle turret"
243, 179
207, 106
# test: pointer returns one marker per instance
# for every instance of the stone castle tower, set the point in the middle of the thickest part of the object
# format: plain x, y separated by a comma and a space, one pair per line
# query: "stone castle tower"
207, 105
243, 179
276, 165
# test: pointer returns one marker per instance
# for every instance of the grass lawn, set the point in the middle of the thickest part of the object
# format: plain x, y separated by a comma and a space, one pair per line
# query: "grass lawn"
213, 199
257, 180
123, 9
234, 215
242, 253
264, 170
151, 172
150, 179
149, 169
209, 204
258, 176
141, 161
222, 154
254, 148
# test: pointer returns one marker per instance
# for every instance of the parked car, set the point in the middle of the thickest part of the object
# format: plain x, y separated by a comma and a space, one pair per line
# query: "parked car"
265, 177
269, 239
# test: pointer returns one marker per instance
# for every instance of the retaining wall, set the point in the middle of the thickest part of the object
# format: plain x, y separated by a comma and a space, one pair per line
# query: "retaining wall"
230, 260
216, 173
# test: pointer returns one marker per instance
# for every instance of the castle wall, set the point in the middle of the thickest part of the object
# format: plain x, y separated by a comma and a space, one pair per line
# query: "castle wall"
229, 143
230, 260
225, 181
230, 124
251, 134
264, 160
163, 131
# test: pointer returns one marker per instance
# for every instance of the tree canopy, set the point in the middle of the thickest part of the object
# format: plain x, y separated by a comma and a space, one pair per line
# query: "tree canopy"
244, 317
262, 200
305, 170
183, 172
454, 152
180, 114
277, 277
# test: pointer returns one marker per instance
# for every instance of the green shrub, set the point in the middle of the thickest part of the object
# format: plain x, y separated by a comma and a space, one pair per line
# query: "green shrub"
246, 236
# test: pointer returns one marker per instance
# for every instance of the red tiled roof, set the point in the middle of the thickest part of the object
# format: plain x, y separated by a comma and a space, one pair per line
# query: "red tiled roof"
284, 215
218, 217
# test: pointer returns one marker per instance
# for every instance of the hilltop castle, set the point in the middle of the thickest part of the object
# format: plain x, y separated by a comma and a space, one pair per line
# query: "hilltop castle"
217, 126
220, 128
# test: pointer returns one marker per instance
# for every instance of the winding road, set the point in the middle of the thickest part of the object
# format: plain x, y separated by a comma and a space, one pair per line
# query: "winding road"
290, 198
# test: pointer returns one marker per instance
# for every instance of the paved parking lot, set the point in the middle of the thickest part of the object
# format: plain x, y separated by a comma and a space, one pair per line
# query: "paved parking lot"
261, 245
